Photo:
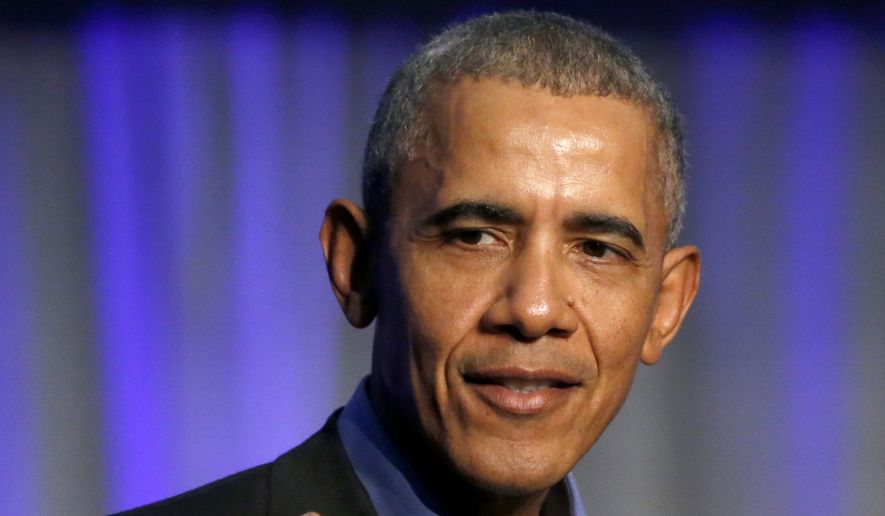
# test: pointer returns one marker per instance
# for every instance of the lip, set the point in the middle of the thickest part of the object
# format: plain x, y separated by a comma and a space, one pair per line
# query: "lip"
521, 391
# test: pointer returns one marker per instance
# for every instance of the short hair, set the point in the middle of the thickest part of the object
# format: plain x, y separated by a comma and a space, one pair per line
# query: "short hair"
561, 54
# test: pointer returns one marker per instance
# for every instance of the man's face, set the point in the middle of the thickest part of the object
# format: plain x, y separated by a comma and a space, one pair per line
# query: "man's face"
526, 247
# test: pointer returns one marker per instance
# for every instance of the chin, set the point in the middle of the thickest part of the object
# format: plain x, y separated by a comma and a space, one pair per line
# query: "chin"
511, 468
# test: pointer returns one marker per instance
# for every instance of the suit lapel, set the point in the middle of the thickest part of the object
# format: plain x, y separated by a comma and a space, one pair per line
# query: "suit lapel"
317, 476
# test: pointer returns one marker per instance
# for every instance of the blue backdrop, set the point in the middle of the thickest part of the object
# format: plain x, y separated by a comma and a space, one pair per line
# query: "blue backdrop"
166, 318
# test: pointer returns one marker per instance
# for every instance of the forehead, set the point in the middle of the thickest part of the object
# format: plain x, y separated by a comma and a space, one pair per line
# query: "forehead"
491, 138
495, 111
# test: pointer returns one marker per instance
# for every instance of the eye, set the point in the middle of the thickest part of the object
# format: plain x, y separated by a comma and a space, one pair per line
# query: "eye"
473, 237
596, 249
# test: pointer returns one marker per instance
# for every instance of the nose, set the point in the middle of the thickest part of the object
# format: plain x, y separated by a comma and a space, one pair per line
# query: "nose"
535, 299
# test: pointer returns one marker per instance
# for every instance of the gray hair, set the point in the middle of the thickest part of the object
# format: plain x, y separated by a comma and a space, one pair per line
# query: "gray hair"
561, 54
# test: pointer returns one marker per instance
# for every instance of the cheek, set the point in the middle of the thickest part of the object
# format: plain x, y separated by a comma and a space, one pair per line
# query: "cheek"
444, 304
617, 319
446, 301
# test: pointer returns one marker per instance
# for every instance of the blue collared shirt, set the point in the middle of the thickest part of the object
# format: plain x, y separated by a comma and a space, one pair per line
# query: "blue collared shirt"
389, 478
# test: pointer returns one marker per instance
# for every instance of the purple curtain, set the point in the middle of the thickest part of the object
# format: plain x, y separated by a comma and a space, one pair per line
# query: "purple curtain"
166, 318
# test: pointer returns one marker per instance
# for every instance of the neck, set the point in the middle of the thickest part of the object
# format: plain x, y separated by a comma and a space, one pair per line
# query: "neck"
454, 494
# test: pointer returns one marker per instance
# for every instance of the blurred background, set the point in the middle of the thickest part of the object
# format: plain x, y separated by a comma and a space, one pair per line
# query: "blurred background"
165, 318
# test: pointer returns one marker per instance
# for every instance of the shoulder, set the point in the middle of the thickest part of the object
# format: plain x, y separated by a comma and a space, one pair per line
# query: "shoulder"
315, 476
246, 493
318, 477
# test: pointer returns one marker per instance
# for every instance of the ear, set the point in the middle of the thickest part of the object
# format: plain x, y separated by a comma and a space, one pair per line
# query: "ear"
680, 278
344, 237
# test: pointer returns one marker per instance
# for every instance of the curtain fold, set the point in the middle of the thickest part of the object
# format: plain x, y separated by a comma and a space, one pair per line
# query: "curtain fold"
166, 317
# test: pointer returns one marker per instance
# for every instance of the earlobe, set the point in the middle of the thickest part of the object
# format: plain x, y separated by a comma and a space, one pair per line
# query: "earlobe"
680, 279
344, 238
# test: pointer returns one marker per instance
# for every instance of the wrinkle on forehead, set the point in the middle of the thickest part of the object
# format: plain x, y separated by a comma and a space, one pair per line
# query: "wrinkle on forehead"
575, 145
468, 117
555, 163
553, 143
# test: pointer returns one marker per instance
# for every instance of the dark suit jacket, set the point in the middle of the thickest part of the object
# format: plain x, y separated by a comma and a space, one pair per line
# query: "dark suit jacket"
315, 476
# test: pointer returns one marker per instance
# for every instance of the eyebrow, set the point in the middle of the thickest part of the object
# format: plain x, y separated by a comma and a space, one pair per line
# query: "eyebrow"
612, 224
496, 213
474, 210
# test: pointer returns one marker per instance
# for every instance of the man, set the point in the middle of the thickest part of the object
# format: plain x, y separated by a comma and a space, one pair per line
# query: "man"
523, 192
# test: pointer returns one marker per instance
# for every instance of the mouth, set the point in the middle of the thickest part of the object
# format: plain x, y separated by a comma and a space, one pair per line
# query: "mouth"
522, 392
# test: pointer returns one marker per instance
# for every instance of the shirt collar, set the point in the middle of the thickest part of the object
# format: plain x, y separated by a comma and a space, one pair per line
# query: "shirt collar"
388, 476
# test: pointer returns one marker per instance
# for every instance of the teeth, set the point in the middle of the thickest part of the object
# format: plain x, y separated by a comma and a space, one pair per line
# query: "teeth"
525, 386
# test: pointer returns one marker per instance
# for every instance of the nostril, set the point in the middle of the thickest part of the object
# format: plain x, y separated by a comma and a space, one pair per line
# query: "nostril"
525, 337
516, 334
